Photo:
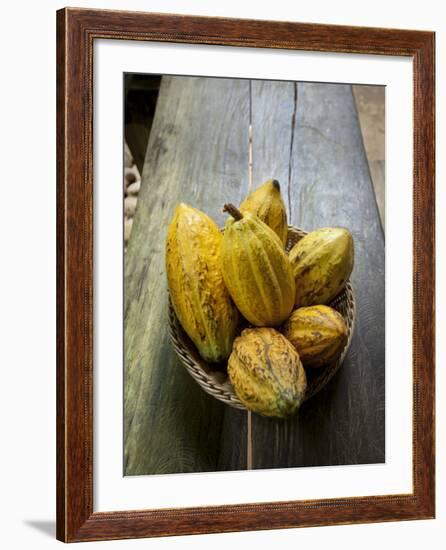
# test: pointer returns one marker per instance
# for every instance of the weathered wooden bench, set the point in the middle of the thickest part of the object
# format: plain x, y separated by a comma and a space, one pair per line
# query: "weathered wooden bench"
307, 136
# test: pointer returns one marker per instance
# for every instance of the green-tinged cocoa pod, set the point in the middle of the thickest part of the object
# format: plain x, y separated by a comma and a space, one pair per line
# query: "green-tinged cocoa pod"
322, 262
267, 204
256, 270
266, 372
318, 333
198, 293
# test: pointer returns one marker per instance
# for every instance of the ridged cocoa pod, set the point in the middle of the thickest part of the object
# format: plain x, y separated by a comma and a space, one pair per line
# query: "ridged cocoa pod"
199, 296
318, 333
322, 262
256, 270
267, 204
266, 373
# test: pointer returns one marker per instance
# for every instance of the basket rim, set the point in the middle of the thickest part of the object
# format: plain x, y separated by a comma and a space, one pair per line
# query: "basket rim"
224, 391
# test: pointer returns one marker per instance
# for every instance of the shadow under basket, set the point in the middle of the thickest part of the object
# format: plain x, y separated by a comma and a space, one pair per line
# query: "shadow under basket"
213, 378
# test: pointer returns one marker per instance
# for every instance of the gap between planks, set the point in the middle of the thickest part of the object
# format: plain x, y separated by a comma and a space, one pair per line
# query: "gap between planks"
249, 423
249, 441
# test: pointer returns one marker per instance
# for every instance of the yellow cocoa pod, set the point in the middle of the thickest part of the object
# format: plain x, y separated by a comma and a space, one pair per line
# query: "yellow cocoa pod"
197, 290
318, 333
322, 262
256, 270
266, 372
267, 204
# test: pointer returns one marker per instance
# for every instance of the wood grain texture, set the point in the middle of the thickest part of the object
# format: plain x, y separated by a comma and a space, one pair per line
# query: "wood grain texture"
74, 280
329, 185
273, 113
61, 527
76, 31
249, 32
197, 154
370, 105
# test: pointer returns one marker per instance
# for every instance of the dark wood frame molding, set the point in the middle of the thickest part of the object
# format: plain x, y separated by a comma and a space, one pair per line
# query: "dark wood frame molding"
76, 31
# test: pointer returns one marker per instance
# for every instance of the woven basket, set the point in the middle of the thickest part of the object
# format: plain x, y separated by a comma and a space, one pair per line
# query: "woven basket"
213, 377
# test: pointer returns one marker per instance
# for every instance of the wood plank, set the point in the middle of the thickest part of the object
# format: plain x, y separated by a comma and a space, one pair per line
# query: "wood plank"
197, 153
370, 105
233, 441
330, 185
272, 119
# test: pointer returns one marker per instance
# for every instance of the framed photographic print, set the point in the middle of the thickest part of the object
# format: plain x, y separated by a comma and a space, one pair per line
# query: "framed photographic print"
245, 275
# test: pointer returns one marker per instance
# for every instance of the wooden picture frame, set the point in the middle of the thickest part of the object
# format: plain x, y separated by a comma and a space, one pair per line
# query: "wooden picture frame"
76, 31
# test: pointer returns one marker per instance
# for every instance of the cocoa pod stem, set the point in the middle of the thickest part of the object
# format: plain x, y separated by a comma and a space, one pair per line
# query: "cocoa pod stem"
233, 211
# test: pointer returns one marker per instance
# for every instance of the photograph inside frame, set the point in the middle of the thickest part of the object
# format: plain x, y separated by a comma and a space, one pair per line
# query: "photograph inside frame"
254, 274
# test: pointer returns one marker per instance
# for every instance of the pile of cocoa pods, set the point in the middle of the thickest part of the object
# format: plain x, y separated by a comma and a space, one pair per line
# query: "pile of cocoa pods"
221, 281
